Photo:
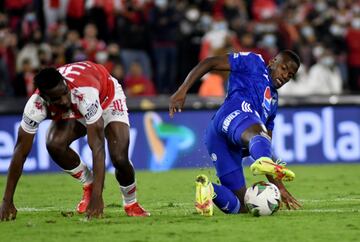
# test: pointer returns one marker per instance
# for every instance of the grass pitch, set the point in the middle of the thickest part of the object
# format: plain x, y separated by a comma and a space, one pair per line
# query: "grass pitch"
330, 196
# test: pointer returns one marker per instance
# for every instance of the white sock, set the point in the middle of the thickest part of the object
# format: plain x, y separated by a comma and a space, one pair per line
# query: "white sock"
82, 173
129, 194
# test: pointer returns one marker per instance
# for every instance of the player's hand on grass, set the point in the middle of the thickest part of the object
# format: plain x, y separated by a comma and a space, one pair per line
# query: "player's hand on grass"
95, 208
288, 200
7, 211
177, 101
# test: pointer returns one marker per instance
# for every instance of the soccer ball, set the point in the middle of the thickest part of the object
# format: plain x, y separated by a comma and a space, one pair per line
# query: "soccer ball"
262, 198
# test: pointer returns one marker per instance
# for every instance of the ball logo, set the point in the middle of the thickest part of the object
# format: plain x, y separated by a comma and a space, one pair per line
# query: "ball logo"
267, 98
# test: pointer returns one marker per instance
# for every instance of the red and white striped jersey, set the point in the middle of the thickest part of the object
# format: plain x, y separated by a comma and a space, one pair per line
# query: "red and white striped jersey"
92, 90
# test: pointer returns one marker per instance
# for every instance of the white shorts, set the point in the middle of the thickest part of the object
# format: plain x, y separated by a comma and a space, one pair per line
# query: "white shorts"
117, 111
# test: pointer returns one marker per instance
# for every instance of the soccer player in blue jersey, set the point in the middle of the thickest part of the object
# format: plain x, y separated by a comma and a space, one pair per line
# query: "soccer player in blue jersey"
241, 127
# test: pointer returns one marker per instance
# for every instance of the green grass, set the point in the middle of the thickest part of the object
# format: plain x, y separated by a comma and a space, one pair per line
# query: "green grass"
330, 196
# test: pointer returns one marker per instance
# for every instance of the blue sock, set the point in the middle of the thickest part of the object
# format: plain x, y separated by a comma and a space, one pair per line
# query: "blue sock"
260, 146
225, 199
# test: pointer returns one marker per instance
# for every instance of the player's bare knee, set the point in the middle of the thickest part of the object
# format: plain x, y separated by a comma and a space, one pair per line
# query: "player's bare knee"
253, 131
120, 161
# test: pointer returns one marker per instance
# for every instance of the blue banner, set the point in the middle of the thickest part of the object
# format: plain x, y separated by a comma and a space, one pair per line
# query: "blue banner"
158, 143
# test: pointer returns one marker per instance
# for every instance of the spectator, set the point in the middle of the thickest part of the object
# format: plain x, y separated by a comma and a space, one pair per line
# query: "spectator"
137, 84
90, 43
298, 86
212, 85
164, 22
75, 15
72, 43
23, 84
31, 50
133, 36
219, 37
191, 29
54, 11
181, 31
324, 77
119, 73
353, 43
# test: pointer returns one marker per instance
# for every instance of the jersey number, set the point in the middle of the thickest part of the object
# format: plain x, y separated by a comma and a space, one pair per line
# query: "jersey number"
73, 69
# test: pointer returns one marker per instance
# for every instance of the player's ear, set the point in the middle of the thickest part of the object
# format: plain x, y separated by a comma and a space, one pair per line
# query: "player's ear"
271, 62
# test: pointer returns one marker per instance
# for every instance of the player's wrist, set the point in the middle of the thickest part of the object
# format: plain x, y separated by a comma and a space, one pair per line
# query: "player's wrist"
7, 200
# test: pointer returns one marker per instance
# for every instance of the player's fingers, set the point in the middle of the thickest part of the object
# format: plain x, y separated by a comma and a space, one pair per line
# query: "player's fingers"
287, 205
294, 201
13, 215
171, 112
296, 204
5, 216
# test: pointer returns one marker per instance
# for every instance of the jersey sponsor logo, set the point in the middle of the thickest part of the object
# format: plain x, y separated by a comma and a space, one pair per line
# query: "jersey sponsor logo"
78, 95
91, 111
267, 99
117, 113
228, 120
30, 122
236, 55
38, 105
246, 107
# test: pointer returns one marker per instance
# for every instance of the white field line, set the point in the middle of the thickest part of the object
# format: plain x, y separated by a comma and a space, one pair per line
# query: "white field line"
323, 211
191, 211
163, 206
330, 200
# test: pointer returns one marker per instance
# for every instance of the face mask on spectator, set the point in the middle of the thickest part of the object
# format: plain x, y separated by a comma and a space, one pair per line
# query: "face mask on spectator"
337, 30
206, 19
161, 3
269, 40
328, 61
219, 25
318, 51
320, 6
307, 31
101, 57
192, 14
355, 23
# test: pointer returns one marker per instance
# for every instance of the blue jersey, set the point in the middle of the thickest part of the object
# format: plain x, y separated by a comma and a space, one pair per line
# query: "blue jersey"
250, 89
251, 99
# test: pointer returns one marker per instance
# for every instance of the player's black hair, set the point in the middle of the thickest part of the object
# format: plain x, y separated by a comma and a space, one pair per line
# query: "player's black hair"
47, 79
292, 55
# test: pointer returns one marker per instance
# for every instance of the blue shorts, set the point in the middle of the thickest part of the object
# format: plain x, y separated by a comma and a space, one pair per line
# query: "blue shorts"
223, 142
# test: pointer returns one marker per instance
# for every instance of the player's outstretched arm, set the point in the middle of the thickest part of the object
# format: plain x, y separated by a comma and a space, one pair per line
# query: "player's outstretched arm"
286, 198
22, 149
177, 100
96, 142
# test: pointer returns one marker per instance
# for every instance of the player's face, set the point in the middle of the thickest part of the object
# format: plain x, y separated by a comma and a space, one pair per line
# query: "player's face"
58, 96
282, 70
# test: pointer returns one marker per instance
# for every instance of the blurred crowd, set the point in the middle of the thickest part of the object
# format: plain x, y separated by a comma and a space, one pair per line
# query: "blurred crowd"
151, 45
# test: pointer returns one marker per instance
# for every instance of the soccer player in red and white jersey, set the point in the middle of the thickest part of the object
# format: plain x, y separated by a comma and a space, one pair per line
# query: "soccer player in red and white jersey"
80, 98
